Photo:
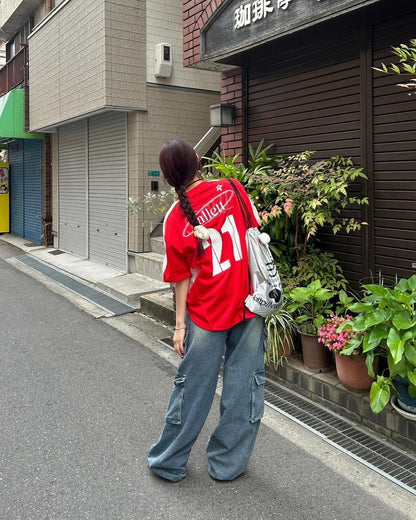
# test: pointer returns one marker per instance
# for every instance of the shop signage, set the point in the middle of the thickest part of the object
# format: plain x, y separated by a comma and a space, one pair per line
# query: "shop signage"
153, 173
239, 25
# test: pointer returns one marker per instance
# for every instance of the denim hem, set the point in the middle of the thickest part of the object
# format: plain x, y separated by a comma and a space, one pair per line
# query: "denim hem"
168, 476
224, 479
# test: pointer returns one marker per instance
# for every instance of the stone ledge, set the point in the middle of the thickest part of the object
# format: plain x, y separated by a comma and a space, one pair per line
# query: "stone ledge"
325, 389
159, 306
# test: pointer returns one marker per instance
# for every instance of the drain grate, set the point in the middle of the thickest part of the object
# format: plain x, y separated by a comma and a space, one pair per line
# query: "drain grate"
93, 295
391, 462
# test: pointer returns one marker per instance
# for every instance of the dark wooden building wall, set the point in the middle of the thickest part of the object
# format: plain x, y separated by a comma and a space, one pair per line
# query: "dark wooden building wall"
394, 157
316, 90
304, 94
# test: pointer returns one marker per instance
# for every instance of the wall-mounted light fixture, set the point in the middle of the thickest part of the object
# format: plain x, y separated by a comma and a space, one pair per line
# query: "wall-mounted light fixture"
221, 115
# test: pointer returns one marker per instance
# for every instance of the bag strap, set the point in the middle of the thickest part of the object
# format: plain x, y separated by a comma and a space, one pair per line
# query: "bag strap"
246, 217
243, 205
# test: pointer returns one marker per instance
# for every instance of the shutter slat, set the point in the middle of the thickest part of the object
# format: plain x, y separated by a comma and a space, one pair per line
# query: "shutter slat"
72, 189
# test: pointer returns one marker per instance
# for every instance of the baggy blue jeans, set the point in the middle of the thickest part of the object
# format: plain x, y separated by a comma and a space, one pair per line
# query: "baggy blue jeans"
242, 401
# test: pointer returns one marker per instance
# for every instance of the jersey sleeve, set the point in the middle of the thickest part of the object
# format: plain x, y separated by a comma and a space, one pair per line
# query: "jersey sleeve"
175, 269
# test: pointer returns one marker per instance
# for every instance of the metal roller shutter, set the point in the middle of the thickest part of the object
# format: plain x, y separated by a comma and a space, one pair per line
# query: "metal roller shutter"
107, 137
25, 158
73, 188
32, 158
304, 94
394, 158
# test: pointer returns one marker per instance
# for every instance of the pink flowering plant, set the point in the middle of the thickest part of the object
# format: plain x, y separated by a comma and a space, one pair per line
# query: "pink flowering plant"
337, 332
337, 335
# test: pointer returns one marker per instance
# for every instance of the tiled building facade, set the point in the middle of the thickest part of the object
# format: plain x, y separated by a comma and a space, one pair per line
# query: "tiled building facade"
93, 88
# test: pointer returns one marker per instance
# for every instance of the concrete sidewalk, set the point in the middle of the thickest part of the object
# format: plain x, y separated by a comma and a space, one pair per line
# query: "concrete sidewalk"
153, 298
144, 293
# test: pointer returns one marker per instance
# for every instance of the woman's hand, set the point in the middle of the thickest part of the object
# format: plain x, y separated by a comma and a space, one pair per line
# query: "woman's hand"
181, 291
178, 339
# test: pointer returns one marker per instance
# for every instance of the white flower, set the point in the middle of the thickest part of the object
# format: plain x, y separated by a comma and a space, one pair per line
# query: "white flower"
201, 232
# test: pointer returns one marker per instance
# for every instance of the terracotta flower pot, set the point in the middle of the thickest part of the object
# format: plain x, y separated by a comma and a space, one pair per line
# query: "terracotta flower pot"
315, 355
353, 372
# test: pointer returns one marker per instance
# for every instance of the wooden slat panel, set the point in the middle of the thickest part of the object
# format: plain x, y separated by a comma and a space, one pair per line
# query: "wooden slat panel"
394, 157
306, 96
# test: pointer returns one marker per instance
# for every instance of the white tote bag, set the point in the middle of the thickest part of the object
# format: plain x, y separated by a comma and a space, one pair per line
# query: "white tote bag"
264, 278
267, 294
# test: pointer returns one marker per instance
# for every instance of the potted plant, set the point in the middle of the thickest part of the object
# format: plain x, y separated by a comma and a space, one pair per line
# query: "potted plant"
281, 330
338, 336
311, 306
386, 324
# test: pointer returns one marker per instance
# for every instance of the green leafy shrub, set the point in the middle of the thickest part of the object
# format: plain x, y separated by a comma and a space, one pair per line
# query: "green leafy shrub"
385, 324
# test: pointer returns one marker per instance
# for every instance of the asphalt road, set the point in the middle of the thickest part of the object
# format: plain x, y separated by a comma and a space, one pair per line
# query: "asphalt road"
81, 401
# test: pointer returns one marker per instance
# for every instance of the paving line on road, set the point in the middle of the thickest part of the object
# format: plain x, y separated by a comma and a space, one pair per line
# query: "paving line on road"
99, 298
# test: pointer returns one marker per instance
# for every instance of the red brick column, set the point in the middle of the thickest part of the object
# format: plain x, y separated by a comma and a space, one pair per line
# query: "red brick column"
232, 93
195, 15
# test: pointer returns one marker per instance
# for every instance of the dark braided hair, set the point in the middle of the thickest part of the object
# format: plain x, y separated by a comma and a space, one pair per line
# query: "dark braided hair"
179, 163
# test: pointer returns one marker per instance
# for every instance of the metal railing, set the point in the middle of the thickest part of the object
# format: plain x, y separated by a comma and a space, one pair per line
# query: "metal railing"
13, 73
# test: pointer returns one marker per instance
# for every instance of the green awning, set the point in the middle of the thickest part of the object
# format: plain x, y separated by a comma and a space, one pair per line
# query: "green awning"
12, 116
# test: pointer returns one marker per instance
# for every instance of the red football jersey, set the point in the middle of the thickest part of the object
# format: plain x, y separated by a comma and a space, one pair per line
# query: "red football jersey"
219, 277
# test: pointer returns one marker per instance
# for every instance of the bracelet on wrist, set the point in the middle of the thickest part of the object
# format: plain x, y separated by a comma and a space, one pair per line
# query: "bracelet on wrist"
179, 328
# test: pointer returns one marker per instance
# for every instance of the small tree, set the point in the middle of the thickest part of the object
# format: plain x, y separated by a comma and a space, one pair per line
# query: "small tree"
295, 197
300, 196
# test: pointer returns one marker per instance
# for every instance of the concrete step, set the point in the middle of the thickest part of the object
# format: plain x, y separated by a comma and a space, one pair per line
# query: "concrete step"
157, 245
159, 306
130, 288
149, 264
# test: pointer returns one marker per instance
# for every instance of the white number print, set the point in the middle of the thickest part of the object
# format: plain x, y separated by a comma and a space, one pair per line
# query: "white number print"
229, 227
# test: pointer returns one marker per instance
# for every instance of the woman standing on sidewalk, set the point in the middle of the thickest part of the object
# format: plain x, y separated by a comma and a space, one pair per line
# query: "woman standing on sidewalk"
206, 259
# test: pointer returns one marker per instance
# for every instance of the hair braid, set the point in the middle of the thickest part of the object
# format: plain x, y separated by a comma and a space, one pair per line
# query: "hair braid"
190, 214
180, 163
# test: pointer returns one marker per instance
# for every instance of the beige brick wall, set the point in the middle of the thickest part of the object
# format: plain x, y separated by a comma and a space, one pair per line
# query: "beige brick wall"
104, 59
164, 25
95, 61
172, 114
125, 41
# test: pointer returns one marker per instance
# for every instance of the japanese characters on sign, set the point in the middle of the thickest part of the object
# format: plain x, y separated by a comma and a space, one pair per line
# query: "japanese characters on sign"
252, 12
245, 24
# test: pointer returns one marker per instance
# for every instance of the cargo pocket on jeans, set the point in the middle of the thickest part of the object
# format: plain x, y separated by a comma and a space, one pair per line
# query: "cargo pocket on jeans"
257, 397
174, 412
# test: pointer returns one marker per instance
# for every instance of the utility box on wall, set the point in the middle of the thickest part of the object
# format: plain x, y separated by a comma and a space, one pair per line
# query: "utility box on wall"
163, 60
4, 198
